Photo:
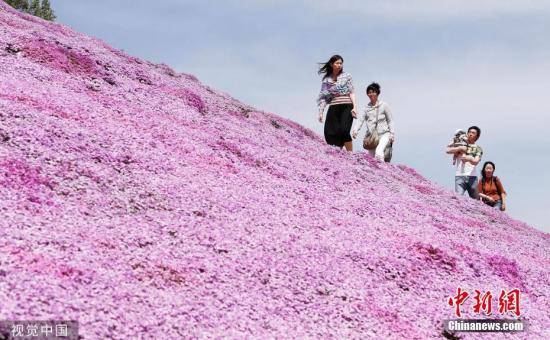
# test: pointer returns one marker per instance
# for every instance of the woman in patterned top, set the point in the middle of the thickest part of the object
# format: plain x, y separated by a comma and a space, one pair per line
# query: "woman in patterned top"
337, 92
490, 188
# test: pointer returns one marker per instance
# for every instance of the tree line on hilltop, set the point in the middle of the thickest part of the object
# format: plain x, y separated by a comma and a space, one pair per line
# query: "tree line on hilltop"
38, 8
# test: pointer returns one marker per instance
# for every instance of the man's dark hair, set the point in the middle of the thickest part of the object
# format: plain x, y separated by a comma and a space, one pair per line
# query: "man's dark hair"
374, 87
478, 130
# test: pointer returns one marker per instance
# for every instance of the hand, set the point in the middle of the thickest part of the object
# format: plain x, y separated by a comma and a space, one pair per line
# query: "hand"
462, 148
354, 134
464, 157
503, 207
354, 112
485, 198
320, 117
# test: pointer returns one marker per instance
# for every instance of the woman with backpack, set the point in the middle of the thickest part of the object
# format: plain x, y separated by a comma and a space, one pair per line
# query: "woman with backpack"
490, 188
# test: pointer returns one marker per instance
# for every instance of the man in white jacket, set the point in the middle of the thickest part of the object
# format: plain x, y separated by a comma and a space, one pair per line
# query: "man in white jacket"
378, 116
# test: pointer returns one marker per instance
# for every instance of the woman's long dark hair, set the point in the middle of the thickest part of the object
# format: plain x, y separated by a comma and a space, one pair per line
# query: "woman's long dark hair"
326, 68
483, 177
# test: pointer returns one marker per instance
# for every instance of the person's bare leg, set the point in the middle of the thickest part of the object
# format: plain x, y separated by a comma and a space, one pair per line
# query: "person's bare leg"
348, 146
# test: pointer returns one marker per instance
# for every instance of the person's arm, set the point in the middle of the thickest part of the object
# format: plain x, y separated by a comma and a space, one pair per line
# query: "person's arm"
470, 159
359, 124
503, 197
502, 194
389, 120
480, 189
487, 198
322, 106
455, 149
474, 158
354, 109
481, 193
349, 84
321, 101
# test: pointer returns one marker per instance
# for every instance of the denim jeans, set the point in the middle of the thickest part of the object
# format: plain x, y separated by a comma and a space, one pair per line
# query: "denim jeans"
466, 183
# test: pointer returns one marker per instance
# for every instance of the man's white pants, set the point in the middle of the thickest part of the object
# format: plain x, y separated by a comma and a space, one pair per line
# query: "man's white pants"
378, 153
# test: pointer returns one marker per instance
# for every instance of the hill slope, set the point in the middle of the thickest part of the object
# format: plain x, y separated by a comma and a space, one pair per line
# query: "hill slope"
140, 202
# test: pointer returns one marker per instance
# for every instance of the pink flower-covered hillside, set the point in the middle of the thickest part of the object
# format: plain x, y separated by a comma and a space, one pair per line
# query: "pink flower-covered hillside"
145, 204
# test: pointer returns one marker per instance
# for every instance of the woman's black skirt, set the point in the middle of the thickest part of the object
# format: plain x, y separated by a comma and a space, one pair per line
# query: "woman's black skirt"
338, 124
